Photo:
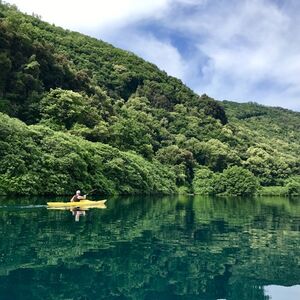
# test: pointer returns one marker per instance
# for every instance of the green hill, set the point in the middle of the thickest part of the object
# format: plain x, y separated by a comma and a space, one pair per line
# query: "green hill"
97, 117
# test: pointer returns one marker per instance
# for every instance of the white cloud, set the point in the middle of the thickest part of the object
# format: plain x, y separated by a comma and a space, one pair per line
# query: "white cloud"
161, 53
251, 51
88, 14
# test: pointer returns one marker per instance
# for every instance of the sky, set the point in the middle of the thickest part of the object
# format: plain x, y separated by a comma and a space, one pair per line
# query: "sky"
239, 50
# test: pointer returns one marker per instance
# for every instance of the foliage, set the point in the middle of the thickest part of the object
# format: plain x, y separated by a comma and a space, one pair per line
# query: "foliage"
272, 137
66, 108
293, 185
273, 191
237, 181
212, 108
203, 183
233, 181
37, 160
80, 86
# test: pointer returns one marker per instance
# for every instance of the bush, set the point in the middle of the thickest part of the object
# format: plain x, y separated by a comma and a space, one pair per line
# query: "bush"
273, 191
203, 182
233, 181
183, 190
293, 186
237, 181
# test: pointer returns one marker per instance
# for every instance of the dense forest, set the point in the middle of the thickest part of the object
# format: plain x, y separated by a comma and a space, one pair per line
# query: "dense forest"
78, 112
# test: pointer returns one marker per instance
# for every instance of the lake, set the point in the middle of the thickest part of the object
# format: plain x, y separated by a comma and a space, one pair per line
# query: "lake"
180, 247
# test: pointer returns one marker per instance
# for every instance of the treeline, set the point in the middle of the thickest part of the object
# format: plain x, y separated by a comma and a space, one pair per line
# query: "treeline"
87, 92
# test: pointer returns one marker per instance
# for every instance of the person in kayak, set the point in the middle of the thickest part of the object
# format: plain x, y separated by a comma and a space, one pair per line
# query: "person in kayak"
77, 197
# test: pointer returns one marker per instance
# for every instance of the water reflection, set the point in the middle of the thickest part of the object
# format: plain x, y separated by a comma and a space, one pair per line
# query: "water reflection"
77, 213
152, 248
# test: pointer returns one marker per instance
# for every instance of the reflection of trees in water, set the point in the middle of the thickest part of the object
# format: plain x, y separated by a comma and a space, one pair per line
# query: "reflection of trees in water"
142, 248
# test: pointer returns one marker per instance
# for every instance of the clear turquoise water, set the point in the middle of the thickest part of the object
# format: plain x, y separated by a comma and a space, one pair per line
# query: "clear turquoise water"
152, 248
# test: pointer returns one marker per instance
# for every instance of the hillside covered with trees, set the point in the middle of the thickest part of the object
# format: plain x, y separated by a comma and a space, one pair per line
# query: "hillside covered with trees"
77, 112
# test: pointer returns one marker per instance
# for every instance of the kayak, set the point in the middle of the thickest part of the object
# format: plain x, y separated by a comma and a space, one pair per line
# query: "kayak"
78, 208
81, 203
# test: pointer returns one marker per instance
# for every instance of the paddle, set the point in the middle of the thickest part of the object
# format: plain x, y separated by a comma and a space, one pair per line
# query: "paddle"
90, 192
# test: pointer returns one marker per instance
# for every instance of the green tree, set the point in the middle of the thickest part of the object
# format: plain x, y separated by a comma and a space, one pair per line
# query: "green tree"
182, 160
203, 182
214, 154
237, 181
213, 108
64, 108
267, 165
293, 185
5, 67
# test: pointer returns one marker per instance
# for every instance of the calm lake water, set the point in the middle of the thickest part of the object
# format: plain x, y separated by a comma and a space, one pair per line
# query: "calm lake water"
152, 248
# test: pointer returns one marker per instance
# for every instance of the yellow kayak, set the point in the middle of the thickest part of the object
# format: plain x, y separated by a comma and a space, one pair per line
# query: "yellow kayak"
81, 203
